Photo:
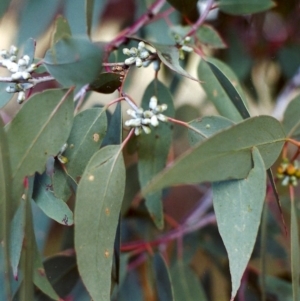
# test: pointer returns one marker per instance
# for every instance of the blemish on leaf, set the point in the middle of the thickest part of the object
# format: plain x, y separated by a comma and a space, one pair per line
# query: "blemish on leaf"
91, 178
23, 197
65, 220
207, 126
96, 137
41, 271
215, 93
106, 254
71, 146
107, 211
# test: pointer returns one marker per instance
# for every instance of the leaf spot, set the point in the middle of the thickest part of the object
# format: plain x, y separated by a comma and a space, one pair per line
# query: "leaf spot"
106, 254
207, 126
96, 137
65, 220
91, 178
215, 93
23, 196
71, 145
107, 211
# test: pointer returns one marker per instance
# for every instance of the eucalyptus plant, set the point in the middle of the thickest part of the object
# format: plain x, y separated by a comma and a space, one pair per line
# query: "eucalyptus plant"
98, 202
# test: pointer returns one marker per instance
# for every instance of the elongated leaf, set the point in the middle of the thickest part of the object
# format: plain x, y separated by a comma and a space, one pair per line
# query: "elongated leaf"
99, 197
242, 7
291, 122
206, 127
40, 278
5, 201
61, 30
279, 288
30, 11
4, 96
61, 270
163, 281
17, 237
186, 285
28, 49
153, 149
226, 155
209, 36
238, 206
32, 140
73, 61
53, 207
295, 251
88, 131
106, 82
169, 55
215, 90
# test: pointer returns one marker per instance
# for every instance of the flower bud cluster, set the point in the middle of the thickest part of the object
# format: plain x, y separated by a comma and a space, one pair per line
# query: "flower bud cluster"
184, 44
142, 120
138, 56
288, 172
20, 69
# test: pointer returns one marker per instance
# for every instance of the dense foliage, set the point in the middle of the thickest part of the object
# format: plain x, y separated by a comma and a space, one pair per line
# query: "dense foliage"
179, 200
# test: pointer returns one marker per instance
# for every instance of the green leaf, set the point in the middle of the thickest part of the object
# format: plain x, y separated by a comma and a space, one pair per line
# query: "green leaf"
114, 129
4, 96
106, 83
209, 36
40, 278
5, 209
163, 281
291, 122
61, 270
279, 288
214, 74
169, 55
243, 7
3, 7
98, 203
88, 131
238, 206
28, 49
224, 156
185, 283
61, 182
206, 127
32, 140
73, 61
30, 11
53, 207
153, 149
17, 237
295, 251
61, 30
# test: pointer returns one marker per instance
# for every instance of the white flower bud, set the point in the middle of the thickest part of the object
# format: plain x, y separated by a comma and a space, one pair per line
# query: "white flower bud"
130, 60
4, 53
13, 50
144, 54
187, 39
10, 89
137, 131
138, 62
153, 102
148, 114
17, 75
126, 51
13, 58
141, 46
146, 121
146, 63
131, 113
187, 48
31, 68
26, 75
154, 121
146, 129
21, 97
161, 108
11, 66
156, 65
26, 58
133, 51
162, 117
22, 62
